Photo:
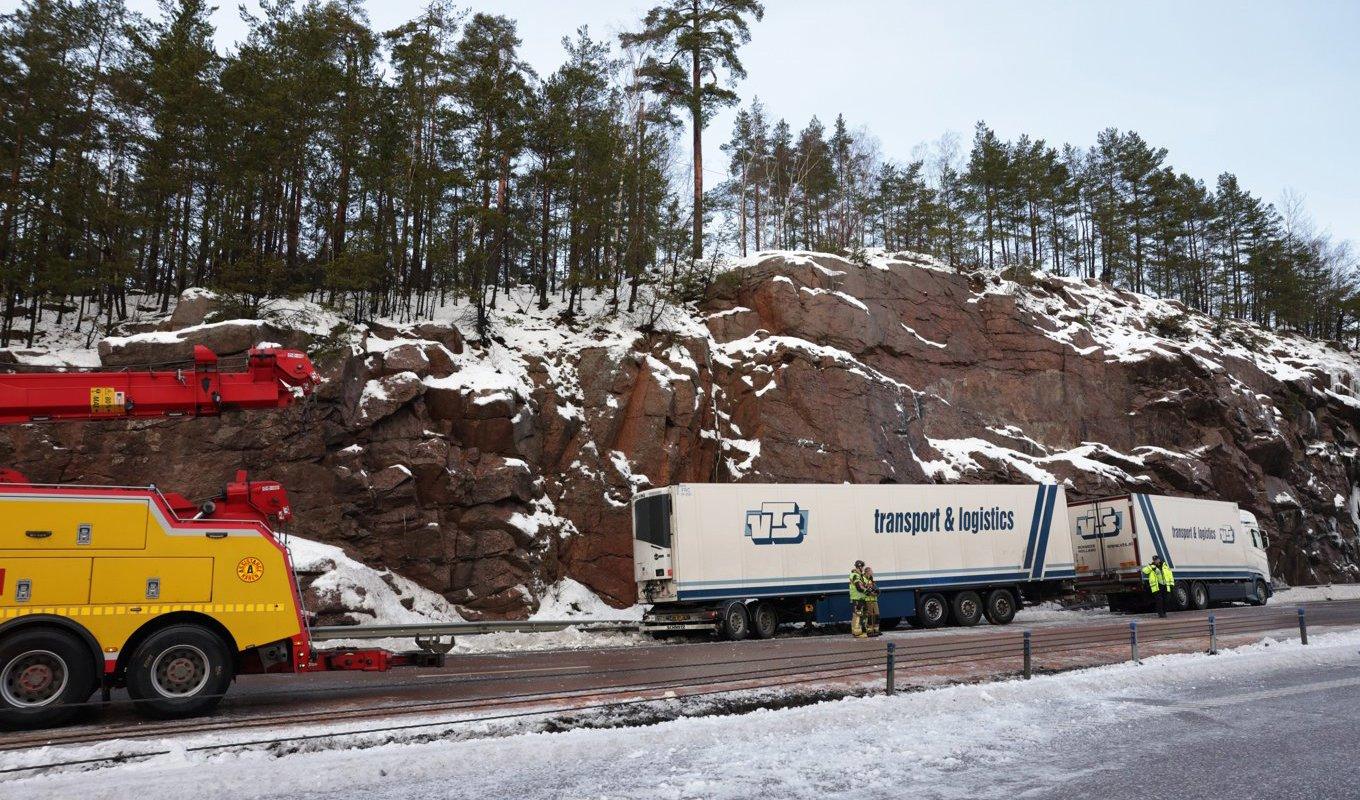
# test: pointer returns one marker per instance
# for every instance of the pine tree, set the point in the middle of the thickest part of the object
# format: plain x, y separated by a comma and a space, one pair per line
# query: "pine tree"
706, 35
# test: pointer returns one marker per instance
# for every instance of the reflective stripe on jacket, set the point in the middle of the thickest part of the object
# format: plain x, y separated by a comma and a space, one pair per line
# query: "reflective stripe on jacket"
856, 586
1158, 578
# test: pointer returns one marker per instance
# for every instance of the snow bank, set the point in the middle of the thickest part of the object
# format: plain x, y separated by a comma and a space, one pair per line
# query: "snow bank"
380, 593
1303, 594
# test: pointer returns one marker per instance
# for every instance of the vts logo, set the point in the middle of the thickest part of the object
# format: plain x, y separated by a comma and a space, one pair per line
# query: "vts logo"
1109, 523
777, 523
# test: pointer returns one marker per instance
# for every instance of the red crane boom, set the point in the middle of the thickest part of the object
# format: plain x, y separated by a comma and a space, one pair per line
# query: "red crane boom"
272, 378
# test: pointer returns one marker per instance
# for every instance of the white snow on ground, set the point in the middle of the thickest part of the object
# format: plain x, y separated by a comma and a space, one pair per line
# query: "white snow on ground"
1301, 594
569, 599
1051, 611
940, 743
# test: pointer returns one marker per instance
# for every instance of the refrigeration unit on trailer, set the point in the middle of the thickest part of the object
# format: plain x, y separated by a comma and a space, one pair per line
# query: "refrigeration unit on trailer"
1216, 551
740, 559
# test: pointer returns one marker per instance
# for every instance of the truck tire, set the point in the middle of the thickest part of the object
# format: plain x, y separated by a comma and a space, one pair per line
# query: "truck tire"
932, 611
1000, 607
44, 675
764, 619
1180, 598
734, 624
179, 671
1199, 596
1259, 593
966, 608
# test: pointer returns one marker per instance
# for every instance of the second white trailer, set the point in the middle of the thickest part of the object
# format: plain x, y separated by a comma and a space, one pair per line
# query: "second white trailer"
1216, 551
741, 558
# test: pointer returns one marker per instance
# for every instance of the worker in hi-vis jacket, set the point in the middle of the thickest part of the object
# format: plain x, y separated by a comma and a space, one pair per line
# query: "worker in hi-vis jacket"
857, 601
870, 603
1160, 582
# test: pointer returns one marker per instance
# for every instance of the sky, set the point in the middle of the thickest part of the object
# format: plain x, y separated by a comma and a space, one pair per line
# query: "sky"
1269, 91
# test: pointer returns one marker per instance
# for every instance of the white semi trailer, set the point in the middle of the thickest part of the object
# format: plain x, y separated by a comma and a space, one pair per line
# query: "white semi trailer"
1217, 552
742, 558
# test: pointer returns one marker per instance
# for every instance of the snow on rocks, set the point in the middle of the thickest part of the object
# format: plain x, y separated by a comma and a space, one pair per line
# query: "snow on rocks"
358, 593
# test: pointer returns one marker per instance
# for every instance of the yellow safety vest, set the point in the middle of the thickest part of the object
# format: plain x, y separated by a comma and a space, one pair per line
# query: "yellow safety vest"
1158, 578
856, 590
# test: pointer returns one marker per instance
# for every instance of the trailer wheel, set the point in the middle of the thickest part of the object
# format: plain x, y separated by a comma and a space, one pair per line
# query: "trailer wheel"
44, 675
1199, 596
764, 619
966, 608
179, 671
1259, 593
1180, 597
735, 623
932, 611
1000, 607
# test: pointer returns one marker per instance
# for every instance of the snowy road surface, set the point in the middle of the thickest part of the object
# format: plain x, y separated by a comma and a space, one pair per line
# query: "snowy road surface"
1268, 720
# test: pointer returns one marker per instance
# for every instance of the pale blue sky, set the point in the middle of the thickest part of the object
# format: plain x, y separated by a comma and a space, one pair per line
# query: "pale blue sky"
1270, 91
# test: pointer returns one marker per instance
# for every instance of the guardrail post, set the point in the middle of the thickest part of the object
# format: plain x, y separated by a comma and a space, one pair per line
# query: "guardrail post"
1029, 656
892, 668
1133, 640
1303, 628
1213, 636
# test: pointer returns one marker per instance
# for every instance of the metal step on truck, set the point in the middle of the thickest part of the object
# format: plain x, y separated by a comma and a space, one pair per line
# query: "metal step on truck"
742, 559
1217, 551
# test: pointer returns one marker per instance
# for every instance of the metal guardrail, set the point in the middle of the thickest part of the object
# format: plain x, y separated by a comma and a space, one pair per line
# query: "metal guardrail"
338, 632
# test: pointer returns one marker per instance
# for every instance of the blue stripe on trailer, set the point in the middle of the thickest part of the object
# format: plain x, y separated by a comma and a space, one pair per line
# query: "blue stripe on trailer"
1155, 528
1161, 535
1042, 550
882, 576
1034, 527
839, 587
1210, 575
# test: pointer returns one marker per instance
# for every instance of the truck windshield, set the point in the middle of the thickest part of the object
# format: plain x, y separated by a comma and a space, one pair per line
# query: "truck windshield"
652, 519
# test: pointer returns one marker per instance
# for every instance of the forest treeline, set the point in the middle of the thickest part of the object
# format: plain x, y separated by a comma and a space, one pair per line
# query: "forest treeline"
389, 172
1115, 211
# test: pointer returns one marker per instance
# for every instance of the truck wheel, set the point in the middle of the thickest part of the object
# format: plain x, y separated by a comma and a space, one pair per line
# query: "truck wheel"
179, 671
735, 623
1000, 607
966, 608
1199, 596
1259, 593
1180, 597
933, 611
44, 675
764, 620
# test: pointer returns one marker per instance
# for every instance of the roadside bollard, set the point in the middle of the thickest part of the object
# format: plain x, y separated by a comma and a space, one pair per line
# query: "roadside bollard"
1303, 628
892, 667
1213, 636
1133, 640
1029, 657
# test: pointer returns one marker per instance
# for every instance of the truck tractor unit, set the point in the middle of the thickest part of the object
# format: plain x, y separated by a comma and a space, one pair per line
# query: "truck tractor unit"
1217, 552
107, 587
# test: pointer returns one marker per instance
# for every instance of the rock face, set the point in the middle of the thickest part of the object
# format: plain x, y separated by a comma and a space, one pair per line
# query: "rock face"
487, 470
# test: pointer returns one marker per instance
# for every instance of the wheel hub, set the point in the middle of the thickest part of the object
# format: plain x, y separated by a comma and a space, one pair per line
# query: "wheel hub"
180, 671
34, 678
